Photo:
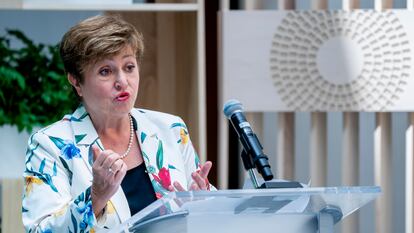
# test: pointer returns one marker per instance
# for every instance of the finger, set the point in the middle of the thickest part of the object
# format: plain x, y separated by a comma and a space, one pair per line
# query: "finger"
205, 169
110, 175
116, 166
194, 187
119, 176
110, 158
96, 152
100, 155
171, 188
199, 181
178, 186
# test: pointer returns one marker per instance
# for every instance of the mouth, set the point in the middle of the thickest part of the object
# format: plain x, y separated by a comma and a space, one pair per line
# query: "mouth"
122, 97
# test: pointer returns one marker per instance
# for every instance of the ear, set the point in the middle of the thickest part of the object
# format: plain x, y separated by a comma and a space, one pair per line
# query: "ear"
74, 82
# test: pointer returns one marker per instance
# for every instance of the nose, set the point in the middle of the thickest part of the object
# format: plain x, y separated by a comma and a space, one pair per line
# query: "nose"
121, 81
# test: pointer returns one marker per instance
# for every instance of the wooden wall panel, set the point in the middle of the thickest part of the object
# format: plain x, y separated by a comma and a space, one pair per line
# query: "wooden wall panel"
383, 170
285, 166
270, 136
350, 163
11, 199
302, 131
148, 87
186, 88
409, 177
399, 127
367, 127
169, 69
334, 139
318, 158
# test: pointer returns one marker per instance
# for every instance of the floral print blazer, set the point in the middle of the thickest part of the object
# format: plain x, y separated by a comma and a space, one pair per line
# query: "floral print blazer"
58, 175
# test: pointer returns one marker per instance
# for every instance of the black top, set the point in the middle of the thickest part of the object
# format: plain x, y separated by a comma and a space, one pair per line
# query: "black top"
138, 188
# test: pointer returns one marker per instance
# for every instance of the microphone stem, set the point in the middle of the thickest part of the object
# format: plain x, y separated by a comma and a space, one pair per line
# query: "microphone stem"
253, 178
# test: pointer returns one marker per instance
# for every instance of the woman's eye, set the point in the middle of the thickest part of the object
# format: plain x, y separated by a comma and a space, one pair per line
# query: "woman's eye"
130, 68
105, 72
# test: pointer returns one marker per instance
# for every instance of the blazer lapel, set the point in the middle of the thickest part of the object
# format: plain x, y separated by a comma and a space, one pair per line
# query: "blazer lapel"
121, 205
86, 136
152, 151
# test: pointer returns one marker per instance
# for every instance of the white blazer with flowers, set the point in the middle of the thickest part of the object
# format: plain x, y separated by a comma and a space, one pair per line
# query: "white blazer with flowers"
58, 175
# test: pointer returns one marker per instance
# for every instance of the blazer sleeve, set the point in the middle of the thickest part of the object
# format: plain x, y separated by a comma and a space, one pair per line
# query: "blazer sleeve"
48, 205
190, 156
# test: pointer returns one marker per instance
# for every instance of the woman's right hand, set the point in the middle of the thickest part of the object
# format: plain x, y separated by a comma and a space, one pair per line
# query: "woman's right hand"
108, 171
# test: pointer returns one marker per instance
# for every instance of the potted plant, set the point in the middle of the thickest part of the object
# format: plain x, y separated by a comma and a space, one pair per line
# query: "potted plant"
34, 91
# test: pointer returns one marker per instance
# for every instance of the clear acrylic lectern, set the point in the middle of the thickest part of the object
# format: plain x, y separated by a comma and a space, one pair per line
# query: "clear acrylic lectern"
303, 210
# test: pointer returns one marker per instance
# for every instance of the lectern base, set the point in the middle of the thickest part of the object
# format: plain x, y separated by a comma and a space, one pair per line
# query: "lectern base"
240, 224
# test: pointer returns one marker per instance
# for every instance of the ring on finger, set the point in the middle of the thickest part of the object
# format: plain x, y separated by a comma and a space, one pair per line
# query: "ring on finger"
111, 171
112, 164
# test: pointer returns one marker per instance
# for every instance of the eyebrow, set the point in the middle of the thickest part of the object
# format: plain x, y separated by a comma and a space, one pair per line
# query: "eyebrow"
127, 55
110, 59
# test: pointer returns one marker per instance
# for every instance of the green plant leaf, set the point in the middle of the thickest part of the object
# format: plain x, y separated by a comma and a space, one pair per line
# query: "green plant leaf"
8, 75
4, 101
46, 97
53, 75
34, 90
19, 35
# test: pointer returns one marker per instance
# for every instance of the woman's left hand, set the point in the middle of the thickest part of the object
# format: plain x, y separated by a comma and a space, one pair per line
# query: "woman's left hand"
200, 181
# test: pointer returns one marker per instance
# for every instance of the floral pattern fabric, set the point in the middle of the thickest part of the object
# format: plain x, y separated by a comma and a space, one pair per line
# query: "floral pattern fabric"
58, 174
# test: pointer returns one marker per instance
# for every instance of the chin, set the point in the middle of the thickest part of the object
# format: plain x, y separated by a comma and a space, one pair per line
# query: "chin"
128, 109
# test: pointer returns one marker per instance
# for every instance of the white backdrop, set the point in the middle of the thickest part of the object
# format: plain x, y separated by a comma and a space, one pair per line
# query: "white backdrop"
317, 60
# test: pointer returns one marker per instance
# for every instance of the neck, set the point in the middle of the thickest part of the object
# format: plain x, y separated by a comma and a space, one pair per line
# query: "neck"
113, 130
104, 124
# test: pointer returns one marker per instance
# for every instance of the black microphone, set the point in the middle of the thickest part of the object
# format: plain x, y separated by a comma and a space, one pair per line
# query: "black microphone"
233, 110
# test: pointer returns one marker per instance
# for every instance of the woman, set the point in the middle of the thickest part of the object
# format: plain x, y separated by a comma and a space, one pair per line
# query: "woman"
106, 161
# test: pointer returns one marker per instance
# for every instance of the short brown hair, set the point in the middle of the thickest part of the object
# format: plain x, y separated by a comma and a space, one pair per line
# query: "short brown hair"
97, 38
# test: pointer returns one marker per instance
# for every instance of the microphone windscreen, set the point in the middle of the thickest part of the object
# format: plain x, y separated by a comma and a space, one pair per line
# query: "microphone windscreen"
232, 106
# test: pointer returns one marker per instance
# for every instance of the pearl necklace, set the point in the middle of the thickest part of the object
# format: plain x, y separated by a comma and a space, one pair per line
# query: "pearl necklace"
131, 137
